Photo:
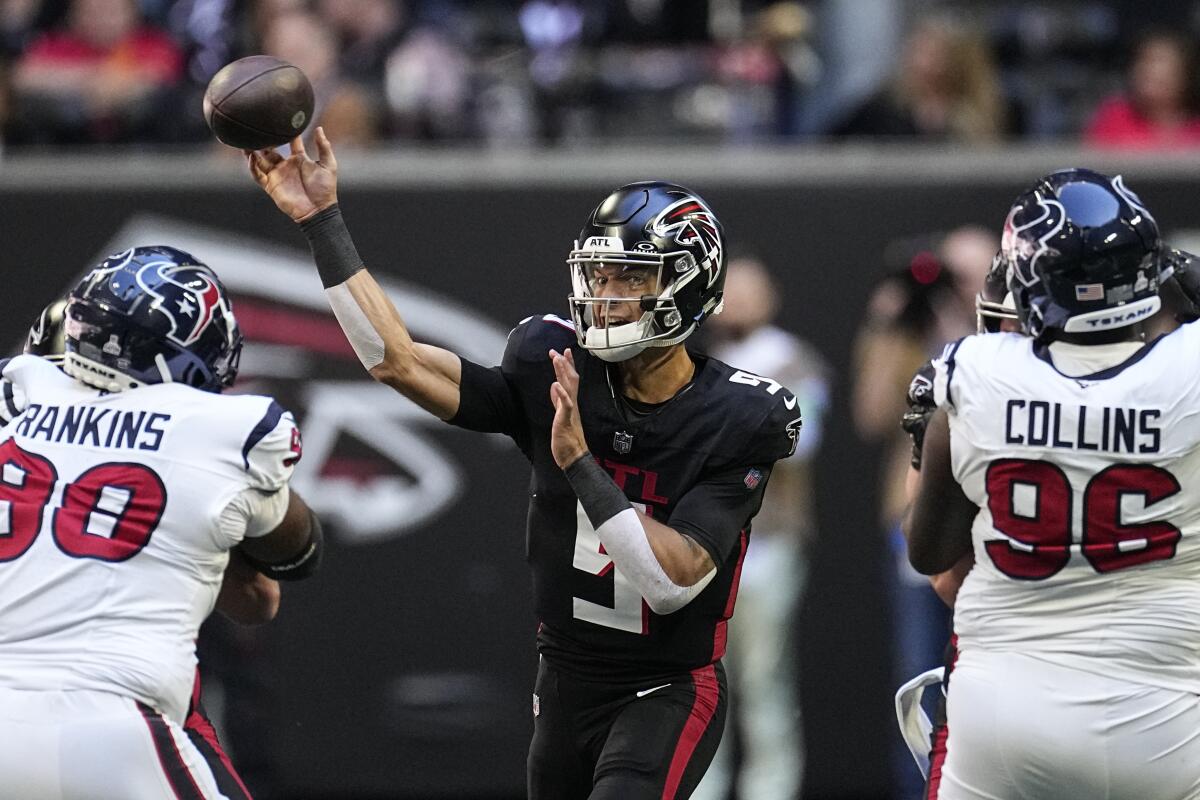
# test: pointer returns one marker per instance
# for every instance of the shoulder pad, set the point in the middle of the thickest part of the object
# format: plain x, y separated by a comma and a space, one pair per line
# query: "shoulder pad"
771, 410
535, 336
32, 375
270, 444
11, 404
944, 367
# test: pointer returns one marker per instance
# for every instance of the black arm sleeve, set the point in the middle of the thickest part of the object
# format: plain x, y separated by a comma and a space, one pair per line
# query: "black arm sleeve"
716, 510
487, 402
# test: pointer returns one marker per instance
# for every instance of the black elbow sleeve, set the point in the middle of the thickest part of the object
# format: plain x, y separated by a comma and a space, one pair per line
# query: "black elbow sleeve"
304, 564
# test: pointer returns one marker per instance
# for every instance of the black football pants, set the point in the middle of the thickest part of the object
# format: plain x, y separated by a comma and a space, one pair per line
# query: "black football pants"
602, 741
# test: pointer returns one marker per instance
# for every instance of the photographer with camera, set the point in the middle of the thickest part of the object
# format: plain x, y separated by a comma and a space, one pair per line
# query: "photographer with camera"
925, 299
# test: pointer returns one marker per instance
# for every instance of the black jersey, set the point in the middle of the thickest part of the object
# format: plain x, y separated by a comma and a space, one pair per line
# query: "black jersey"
698, 463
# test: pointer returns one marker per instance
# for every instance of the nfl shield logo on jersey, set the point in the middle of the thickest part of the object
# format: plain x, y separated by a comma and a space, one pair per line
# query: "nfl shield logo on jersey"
753, 478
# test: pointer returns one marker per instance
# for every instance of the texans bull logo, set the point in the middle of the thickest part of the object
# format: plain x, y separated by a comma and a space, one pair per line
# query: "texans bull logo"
1024, 241
196, 300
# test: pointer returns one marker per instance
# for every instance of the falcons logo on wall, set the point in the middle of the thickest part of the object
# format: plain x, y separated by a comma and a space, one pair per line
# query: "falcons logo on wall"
691, 223
374, 463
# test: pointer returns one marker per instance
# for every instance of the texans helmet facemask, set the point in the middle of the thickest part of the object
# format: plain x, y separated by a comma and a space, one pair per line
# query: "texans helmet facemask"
151, 315
1082, 255
994, 302
666, 231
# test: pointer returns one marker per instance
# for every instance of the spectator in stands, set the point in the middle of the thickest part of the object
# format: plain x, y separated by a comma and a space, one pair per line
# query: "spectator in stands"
947, 88
763, 72
1161, 107
428, 86
17, 20
343, 107
762, 645
98, 79
369, 31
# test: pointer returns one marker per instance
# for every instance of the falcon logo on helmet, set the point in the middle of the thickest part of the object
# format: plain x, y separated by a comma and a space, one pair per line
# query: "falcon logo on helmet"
692, 225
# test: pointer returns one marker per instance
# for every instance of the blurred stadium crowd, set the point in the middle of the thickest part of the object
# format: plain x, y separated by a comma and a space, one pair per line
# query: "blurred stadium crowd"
1118, 74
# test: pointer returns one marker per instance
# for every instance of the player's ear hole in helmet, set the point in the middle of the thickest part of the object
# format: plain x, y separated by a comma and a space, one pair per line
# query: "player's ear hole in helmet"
666, 233
151, 315
1082, 255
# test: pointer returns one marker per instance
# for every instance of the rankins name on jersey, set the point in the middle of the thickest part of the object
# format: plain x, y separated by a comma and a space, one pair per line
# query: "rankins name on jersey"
99, 427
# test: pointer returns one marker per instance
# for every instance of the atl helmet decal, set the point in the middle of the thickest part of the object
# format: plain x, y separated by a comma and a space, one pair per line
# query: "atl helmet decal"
1023, 248
191, 314
692, 223
1131, 197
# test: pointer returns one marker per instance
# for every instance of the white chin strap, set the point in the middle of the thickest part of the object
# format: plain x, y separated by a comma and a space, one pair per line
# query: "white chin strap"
97, 375
618, 343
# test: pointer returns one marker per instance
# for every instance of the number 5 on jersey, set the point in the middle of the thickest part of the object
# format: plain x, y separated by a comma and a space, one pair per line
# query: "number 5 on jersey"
628, 611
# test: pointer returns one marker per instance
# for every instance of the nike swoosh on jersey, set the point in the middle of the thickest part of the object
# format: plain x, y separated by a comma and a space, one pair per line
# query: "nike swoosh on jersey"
789, 403
645, 692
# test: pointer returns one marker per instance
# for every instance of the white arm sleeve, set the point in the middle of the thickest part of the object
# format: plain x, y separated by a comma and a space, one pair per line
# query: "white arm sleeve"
625, 541
251, 514
366, 341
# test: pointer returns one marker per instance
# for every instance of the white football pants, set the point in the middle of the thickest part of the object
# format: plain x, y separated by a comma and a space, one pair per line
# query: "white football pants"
1021, 727
95, 746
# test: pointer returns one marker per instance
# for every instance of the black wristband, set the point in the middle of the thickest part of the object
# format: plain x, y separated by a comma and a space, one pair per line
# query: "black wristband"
599, 496
332, 248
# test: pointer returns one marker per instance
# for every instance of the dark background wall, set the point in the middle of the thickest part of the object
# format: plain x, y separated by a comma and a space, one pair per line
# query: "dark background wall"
405, 670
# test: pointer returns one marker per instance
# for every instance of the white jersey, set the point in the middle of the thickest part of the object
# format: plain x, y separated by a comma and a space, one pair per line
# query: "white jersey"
112, 546
1087, 540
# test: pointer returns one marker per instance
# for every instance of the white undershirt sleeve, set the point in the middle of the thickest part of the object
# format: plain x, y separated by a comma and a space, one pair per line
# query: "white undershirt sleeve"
366, 341
625, 541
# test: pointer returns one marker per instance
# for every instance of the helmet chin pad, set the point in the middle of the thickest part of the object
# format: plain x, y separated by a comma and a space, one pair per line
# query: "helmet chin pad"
620, 342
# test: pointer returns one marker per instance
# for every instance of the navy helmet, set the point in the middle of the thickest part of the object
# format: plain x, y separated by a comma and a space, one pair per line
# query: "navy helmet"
657, 227
1082, 254
151, 315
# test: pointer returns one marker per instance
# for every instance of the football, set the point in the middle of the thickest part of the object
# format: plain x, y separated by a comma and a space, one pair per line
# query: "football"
258, 102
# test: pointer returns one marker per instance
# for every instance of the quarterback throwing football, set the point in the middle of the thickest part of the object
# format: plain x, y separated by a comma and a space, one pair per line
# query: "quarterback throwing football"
648, 465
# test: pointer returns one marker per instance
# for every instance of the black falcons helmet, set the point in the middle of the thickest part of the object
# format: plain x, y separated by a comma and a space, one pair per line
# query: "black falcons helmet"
994, 303
45, 337
151, 315
658, 227
1082, 255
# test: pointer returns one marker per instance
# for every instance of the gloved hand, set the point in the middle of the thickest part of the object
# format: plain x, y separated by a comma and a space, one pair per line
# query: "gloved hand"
920, 409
